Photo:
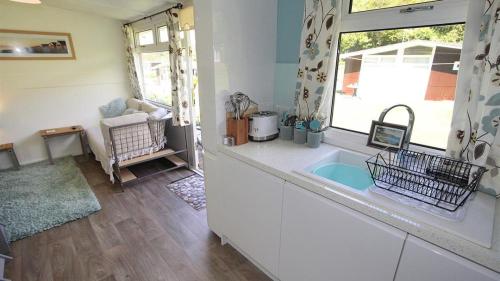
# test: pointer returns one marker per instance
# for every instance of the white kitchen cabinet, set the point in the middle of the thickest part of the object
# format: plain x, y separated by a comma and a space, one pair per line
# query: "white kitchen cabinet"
323, 240
423, 261
252, 201
213, 192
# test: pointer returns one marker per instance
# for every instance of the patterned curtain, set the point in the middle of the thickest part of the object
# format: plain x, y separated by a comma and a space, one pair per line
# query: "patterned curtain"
132, 72
314, 78
181, 104
473, 136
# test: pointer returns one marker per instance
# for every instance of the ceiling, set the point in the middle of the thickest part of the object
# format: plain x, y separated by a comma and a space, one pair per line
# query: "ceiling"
124, 10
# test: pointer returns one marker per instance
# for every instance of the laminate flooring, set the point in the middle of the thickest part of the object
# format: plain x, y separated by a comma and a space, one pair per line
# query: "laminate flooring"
145, 233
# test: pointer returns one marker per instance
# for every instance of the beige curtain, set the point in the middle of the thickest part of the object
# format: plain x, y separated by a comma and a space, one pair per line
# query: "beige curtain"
129, 52
181, 103
314, 85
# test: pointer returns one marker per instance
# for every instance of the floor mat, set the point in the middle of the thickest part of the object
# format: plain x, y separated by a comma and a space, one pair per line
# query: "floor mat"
41, 196
191, 190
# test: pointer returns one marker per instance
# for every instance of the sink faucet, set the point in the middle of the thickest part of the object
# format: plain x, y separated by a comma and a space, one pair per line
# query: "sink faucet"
411, 120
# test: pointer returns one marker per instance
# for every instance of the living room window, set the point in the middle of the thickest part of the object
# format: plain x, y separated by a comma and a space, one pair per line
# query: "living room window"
153, 66
145, 38
156, 77
381, 63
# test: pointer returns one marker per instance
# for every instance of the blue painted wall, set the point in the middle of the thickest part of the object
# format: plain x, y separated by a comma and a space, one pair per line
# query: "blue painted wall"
290, 13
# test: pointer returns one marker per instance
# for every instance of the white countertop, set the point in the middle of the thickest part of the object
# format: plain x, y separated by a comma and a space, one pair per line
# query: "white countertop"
282, 158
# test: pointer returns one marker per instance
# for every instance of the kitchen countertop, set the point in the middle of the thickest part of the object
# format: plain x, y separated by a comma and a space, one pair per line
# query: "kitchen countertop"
281, 158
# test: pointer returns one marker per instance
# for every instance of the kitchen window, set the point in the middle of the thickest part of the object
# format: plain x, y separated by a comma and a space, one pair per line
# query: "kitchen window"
368, 5
381, 63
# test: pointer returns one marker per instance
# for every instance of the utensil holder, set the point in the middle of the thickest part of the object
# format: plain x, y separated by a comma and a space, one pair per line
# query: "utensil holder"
314, 139
299, 136
286, 132
238, 129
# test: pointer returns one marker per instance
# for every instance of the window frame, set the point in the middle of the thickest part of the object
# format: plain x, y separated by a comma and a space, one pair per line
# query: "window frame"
137, 40
445, 12
391, 7
154, 24
158, 39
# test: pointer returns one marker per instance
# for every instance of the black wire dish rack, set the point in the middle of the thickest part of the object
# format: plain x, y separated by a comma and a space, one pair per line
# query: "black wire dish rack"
436, 180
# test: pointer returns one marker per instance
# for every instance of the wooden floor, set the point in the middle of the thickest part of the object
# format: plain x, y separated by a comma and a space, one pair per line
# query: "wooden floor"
145, 233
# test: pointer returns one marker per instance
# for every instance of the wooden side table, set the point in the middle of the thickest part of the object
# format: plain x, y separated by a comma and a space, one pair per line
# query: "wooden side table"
47, 134
9, 148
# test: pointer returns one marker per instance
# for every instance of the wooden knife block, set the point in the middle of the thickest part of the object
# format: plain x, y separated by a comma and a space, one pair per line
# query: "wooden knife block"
238, 129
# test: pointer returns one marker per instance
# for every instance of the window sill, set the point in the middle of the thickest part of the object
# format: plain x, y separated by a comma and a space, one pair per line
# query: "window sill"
357, 142
159, 104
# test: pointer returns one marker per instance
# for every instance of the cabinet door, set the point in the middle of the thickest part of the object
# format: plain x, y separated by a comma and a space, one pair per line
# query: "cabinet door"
424, 261
252, 211
214, 192
323, 240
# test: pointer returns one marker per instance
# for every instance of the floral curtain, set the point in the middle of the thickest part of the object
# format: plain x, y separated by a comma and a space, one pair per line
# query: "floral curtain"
181, 103
132, 72
314, 78
476, 119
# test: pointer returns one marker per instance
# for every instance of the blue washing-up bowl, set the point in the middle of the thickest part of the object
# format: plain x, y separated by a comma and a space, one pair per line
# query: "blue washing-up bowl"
349, 175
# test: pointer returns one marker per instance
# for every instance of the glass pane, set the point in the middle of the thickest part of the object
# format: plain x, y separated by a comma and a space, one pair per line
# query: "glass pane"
163, 34
367, 5
413, 66
156, 73
146, 38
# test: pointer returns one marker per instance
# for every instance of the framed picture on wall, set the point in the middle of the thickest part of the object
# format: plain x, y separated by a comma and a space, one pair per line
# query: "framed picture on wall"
386, 135
35, 45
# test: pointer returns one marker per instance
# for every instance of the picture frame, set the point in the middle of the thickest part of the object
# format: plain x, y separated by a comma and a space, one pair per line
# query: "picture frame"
35, 45
386, 135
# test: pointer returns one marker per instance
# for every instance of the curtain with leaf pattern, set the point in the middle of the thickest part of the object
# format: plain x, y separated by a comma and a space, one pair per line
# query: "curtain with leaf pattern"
181, 103
128, 33
474, 135
314, 77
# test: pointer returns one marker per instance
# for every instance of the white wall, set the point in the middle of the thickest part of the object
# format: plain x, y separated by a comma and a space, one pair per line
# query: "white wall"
42, 94
236, 47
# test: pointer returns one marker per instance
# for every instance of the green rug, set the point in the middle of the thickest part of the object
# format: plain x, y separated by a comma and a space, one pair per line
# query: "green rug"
41, 196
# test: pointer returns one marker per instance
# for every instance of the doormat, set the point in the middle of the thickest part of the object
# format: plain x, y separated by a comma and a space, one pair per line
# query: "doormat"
191, 190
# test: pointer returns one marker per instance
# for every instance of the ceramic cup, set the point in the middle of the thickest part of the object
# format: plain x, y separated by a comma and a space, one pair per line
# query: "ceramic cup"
286, 132
314, 139
299, 136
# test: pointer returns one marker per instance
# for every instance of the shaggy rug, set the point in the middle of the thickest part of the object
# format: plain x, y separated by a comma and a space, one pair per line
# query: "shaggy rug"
41, 196
191, 190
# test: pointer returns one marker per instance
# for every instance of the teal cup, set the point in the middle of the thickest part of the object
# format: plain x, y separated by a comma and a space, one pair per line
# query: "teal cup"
286, 132
314, 139
299, 136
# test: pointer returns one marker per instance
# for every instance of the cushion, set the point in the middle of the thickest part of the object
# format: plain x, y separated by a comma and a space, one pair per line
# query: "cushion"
134, 104
148, 107
158, 114
114, 108
137, 137
130, 111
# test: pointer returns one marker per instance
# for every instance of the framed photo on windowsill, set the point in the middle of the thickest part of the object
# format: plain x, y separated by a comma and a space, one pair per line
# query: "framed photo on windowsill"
386, 135
35, 45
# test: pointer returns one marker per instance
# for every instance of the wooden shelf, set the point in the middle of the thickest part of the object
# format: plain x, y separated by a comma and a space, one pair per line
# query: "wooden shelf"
150, 165
127, 175
148, 157
176, 160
